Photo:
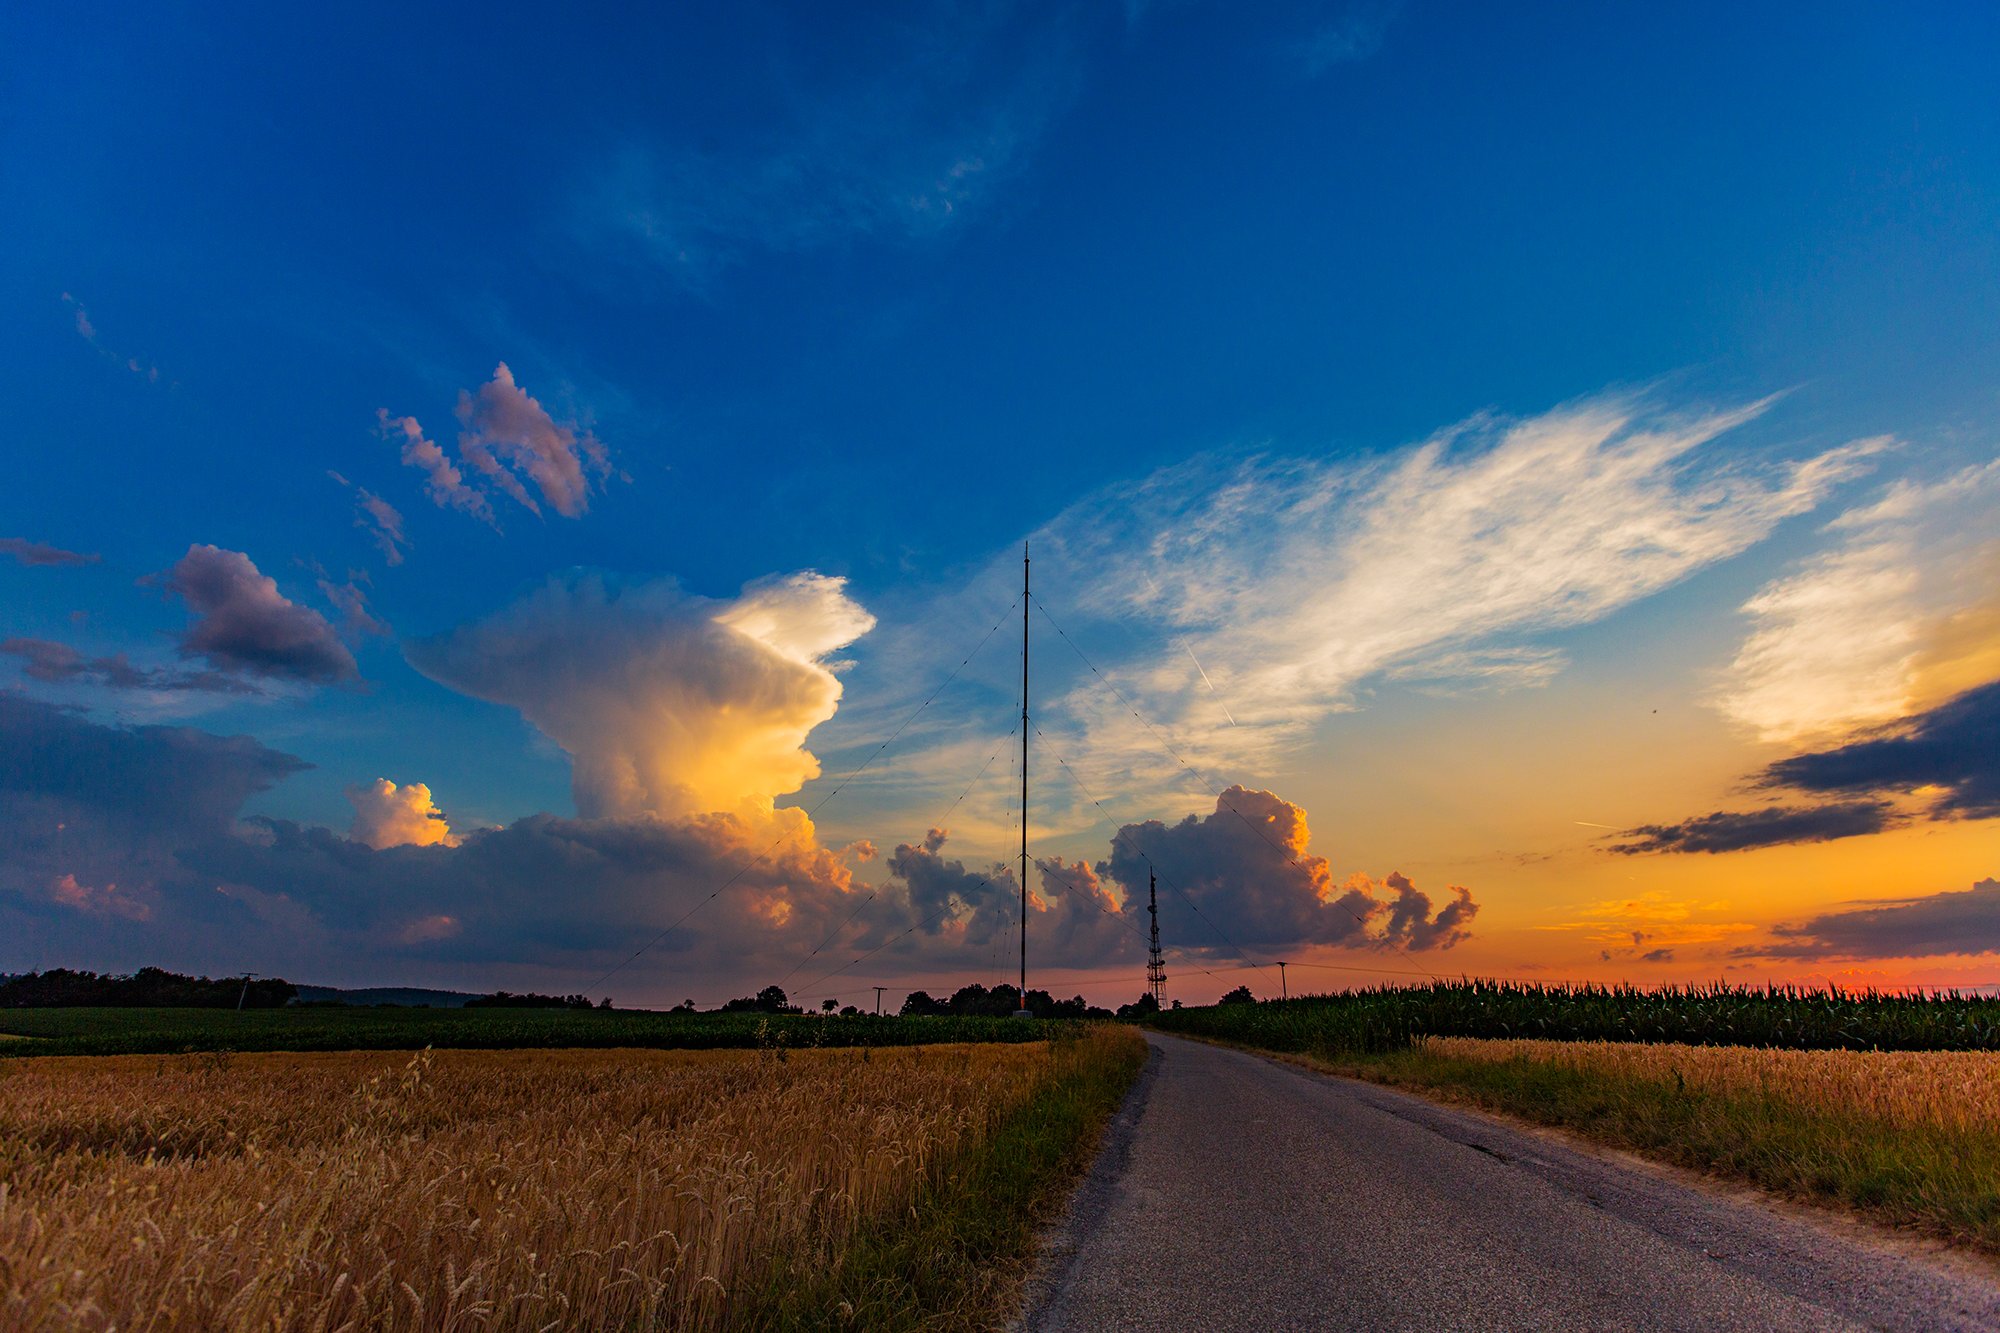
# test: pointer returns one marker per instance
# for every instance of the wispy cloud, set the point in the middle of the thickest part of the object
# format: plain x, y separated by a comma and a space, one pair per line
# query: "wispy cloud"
1298, 582
382, 521
42, 555
1843, 640
1351, 36
1650, 927
86, 328
444, 482
903, 146
60, 664
507, 440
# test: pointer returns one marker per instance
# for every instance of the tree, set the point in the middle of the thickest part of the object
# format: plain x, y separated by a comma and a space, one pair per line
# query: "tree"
1241, 995
149, 987
1143, 1007
919, 1004
770, 1000
828, 1006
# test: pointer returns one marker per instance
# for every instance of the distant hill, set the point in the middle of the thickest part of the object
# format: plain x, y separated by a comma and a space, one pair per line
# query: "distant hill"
414, 996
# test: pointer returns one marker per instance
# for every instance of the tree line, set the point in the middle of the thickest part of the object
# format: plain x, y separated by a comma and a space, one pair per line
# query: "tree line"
149, 987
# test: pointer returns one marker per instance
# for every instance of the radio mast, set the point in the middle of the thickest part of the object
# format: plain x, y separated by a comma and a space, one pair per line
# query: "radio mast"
1156, 970
1022, 1012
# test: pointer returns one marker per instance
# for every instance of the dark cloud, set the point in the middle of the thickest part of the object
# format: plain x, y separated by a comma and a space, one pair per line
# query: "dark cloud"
1741, 830
125, 845
1248, 869
128, 845
116, 804
38, 553
1953, 749
574, 893
245, 624
1962, 921
1074, 920
60, 664
1411, 923
1955, 746
1657, 956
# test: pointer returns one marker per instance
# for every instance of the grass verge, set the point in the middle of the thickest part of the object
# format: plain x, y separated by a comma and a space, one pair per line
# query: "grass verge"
957, 1259
1935, 1174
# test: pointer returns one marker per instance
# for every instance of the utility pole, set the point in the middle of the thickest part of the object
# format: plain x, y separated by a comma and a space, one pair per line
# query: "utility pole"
246, 991
1156, 970
1284, 993
878, 1000
1022, 1012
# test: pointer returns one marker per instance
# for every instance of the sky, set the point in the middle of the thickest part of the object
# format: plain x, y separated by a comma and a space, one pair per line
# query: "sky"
537, 500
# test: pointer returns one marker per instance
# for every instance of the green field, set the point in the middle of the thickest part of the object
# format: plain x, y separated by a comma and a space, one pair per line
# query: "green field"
1389, 1018
86, 1031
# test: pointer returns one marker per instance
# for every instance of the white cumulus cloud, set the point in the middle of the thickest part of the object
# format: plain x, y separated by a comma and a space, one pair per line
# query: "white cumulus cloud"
386, 815
668, 703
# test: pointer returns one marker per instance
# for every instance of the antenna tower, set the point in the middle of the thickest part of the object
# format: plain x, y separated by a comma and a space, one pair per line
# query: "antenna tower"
1022, 1012
1156, 970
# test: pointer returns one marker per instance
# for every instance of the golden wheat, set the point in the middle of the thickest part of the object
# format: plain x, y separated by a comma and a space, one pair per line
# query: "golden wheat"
1954, 1090
459, 1189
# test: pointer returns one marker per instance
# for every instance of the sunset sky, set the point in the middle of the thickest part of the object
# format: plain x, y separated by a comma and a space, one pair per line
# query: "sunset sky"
1510, 494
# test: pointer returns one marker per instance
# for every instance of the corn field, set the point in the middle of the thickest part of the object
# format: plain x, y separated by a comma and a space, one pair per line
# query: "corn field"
1389, 1018
463, 1189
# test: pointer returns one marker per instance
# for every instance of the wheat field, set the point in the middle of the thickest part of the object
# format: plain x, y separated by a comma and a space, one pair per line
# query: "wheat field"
1948, 1090
459, 1189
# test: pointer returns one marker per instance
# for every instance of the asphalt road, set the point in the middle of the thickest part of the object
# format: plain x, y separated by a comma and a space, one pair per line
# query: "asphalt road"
1236, 1192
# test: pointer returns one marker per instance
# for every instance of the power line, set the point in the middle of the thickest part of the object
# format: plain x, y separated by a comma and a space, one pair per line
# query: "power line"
939, 822
1141, 853
950, 906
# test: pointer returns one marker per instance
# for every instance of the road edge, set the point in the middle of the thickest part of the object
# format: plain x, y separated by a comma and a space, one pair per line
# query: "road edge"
1057, 1250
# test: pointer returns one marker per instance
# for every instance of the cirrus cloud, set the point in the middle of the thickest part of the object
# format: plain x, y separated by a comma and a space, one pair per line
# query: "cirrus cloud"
41, 554
1297, 584
508, 440
1847, 638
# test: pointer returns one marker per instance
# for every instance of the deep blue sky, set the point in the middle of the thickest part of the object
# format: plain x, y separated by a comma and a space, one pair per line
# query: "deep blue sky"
879, 295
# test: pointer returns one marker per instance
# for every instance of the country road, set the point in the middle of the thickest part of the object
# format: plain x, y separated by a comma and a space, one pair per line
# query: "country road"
1235, 1192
